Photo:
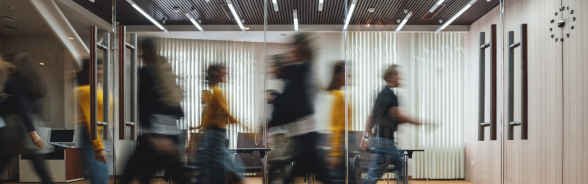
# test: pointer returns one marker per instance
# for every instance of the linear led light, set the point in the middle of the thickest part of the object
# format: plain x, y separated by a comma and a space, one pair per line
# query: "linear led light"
147, 16
187, 13
235, 15
321, 2
349, 14
403, 22
436, 5
456, 15
295, 12
275, 5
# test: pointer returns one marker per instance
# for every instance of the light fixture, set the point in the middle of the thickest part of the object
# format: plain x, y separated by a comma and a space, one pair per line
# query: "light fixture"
371, 10
321, 3
275, 2
71, 38
398, 21
456, 15
193, 21
349, 14
405, 10
295, 12
439, 2
147, 16
440, 21
42, 63
403, 22
235, 15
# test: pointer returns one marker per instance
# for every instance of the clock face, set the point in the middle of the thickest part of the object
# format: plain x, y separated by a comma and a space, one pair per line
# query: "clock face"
563, 17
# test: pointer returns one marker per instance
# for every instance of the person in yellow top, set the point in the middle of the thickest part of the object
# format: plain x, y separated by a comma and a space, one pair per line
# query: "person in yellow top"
338, 122
214, 145
94, 154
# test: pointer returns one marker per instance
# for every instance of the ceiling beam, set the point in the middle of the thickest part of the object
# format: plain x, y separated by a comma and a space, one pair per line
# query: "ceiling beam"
311, 28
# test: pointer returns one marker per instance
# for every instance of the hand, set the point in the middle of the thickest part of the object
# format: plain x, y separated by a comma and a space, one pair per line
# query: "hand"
100, 155
363, 143
37, 141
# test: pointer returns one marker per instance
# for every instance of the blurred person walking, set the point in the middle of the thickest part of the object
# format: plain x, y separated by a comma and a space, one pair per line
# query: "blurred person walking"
94, 152
18, 108
159, 108
213, 153
294, 109
385, 116
338, 117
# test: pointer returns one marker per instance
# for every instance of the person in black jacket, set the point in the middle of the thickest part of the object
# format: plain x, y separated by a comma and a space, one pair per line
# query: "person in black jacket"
18, 107
159, 107
294, 109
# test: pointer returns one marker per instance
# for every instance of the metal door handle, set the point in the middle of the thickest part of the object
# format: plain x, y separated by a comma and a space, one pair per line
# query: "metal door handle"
122, 45
524, 99
482, 93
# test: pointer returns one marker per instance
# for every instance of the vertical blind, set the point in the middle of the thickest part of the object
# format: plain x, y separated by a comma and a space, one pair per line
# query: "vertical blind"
190, 58
438, 63
368, 54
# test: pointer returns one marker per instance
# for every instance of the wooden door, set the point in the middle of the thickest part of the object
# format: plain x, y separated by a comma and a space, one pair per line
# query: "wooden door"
539, 158
575, 92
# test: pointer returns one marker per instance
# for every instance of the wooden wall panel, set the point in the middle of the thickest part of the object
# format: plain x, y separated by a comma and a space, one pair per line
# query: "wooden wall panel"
486, 155
575, 90
538, 159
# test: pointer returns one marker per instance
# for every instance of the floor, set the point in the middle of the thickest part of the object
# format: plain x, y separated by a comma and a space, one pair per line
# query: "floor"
257, 180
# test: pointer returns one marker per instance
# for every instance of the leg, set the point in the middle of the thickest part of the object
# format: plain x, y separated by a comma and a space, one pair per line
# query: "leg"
39, 163
378, 165
98, 170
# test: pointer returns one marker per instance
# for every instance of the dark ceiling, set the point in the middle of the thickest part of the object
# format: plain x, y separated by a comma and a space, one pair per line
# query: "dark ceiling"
211, 13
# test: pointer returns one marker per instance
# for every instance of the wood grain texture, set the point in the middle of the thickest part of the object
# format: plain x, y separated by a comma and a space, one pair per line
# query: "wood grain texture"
486, 155
73, 164
538, 159
575, 89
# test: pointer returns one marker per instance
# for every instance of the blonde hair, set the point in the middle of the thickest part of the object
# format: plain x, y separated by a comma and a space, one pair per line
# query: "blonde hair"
6, 70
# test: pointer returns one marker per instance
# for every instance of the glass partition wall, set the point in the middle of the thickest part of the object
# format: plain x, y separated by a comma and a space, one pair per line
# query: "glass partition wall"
270, 90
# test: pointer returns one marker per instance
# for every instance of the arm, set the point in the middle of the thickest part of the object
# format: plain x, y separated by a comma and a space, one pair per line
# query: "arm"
84, 107
25, 108
368, 127
400, 117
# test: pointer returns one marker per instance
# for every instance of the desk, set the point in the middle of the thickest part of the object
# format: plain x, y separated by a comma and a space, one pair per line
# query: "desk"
262, 151
407, 154
65, 165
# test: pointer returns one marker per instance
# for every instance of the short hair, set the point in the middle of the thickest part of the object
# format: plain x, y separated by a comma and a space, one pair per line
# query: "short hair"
390, 71
211, 76
272, 92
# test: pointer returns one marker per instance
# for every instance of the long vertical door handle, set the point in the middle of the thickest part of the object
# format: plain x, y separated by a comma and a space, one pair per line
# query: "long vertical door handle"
121, 82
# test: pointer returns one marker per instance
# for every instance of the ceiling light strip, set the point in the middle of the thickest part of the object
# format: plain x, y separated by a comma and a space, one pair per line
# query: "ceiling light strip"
321, 3
235, 15
295, 12
349, 14
436, 5
455, 16
275, 2
403, 22
147, 16
193, 21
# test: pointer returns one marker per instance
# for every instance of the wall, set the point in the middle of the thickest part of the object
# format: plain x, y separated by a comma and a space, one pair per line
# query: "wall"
555, 151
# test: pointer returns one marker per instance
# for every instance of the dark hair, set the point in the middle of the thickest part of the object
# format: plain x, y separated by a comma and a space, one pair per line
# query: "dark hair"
390, 71
272, 92
212, 75
28, 71
338, 68
302, 41
83, 76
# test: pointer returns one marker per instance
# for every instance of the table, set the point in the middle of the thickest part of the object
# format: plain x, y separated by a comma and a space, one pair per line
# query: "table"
262, 151
407, 155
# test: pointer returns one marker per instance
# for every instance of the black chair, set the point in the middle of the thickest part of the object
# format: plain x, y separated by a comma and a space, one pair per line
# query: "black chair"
251, 161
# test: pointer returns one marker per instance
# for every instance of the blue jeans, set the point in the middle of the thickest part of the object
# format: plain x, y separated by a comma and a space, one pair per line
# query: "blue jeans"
384, 154
98, 170
213, 153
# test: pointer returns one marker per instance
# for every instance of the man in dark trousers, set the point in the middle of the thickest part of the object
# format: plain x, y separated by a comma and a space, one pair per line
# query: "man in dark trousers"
385, 116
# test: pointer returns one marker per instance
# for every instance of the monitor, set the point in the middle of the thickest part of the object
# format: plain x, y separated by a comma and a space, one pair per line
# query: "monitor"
62, 136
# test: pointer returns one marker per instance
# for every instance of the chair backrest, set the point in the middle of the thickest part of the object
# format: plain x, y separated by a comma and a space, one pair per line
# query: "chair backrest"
247, 140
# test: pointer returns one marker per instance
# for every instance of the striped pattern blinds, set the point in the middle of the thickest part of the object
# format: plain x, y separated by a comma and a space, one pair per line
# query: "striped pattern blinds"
190, 58
369, 53
438, 63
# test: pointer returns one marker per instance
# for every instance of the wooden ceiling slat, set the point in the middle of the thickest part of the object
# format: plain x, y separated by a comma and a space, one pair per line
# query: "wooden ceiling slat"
211, 13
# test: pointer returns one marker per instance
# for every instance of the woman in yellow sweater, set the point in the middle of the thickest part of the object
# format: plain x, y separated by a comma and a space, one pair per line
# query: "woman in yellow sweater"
213, 145
94, 154
337, 159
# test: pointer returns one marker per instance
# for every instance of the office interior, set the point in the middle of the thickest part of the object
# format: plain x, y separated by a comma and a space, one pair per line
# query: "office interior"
500, 83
